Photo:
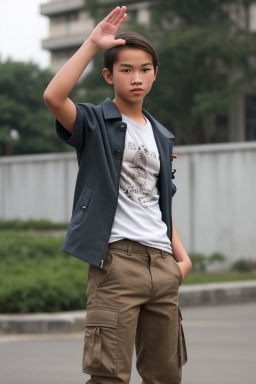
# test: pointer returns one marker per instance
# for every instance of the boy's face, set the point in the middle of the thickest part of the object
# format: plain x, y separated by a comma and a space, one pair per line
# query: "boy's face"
133, 75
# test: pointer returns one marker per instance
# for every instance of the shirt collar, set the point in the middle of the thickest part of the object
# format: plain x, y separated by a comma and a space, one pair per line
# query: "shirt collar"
111, 111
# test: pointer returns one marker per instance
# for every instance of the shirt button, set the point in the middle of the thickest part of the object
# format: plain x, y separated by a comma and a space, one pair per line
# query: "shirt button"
123, 126
83, 207
117, 152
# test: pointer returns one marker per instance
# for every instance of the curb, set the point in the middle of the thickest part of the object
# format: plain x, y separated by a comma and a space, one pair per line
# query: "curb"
59, 322
217, 293
189, 296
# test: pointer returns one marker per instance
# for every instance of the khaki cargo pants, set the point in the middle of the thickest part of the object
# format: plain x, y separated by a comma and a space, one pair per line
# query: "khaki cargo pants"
134, 299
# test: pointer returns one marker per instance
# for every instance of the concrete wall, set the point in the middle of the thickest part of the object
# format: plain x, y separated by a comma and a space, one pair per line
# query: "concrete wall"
214, 208
37, 186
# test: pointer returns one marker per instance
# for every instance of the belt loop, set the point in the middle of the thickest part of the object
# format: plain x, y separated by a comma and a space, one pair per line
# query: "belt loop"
129, 247
163, 254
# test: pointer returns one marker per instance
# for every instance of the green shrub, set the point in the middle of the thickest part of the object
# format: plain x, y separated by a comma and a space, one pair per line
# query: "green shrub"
22, 245
216, 257
200, 262
243, 265
36, 276
46, 286
17, 225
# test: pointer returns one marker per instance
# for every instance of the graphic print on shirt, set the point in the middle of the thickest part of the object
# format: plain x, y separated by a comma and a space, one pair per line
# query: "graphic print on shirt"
139, 171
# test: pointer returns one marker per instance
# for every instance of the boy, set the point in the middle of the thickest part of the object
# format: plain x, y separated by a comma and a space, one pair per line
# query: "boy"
121, 222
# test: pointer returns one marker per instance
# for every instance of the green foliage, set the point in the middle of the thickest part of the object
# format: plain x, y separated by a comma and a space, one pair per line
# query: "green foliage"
22, 109
46, 285
243, 265
200, 262
93, 7
20, 246
191, 13
18, 224
216, 257
200, 73
36, 276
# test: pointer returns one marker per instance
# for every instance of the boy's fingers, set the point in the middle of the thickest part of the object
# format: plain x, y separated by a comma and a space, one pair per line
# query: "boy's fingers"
117, 15
120, 15
121, 21
111, 15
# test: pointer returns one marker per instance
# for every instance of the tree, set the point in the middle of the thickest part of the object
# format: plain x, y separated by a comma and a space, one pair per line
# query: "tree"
26, 126
206, 60
206, 56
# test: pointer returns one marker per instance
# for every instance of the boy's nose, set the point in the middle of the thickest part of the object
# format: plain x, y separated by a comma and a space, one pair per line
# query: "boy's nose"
136, 79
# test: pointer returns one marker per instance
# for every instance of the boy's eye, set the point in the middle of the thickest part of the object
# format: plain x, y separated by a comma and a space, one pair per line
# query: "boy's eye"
146, 69
126, 70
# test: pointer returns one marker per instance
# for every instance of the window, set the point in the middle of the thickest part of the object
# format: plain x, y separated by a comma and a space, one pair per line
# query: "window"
250, 117
60, 19
221, 129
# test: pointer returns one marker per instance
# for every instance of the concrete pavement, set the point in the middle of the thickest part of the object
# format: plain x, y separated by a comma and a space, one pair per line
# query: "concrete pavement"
189, 296
221, 344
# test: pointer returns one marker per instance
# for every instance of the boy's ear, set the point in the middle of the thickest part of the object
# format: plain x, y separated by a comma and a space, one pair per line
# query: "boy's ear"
107, 76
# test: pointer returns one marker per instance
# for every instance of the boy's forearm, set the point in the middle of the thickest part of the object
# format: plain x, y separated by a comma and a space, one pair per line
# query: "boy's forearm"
180, 253
67, 77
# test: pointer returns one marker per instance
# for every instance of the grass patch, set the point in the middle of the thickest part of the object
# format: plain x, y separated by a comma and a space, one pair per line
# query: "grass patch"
218, 277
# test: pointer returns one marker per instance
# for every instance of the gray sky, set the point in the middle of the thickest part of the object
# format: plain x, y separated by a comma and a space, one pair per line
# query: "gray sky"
21, 31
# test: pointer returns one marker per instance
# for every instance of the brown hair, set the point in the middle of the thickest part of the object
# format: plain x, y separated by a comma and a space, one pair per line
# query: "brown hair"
133, 40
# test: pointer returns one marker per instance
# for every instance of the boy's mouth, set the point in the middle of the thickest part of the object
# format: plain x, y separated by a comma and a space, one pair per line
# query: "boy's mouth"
137, 90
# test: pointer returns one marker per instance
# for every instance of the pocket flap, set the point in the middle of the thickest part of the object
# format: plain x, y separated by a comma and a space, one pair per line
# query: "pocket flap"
101, 317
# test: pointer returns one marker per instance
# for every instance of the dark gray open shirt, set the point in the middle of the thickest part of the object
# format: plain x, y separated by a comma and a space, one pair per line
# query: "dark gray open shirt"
99, 138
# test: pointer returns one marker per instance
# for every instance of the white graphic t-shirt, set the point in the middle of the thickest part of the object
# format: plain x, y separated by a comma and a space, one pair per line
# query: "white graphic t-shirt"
138, 216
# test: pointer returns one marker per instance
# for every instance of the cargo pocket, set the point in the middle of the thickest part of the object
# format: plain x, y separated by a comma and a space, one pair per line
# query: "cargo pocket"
182, 343
100, 346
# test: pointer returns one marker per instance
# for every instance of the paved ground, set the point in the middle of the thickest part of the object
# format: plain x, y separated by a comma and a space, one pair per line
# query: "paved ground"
221, 343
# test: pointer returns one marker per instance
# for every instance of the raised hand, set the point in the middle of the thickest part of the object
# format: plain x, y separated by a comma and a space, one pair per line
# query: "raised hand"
103, 36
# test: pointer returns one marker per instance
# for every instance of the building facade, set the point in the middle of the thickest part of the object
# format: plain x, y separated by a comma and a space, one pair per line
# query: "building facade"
70, 24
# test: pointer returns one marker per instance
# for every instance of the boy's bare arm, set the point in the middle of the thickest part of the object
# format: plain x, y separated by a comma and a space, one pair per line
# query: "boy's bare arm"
180, 253
56, 94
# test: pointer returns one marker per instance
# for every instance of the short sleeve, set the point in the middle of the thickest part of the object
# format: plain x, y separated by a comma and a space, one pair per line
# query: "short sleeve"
76, 139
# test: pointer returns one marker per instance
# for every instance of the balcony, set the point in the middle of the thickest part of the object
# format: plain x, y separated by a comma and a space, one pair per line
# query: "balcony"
60, 7
65, 42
